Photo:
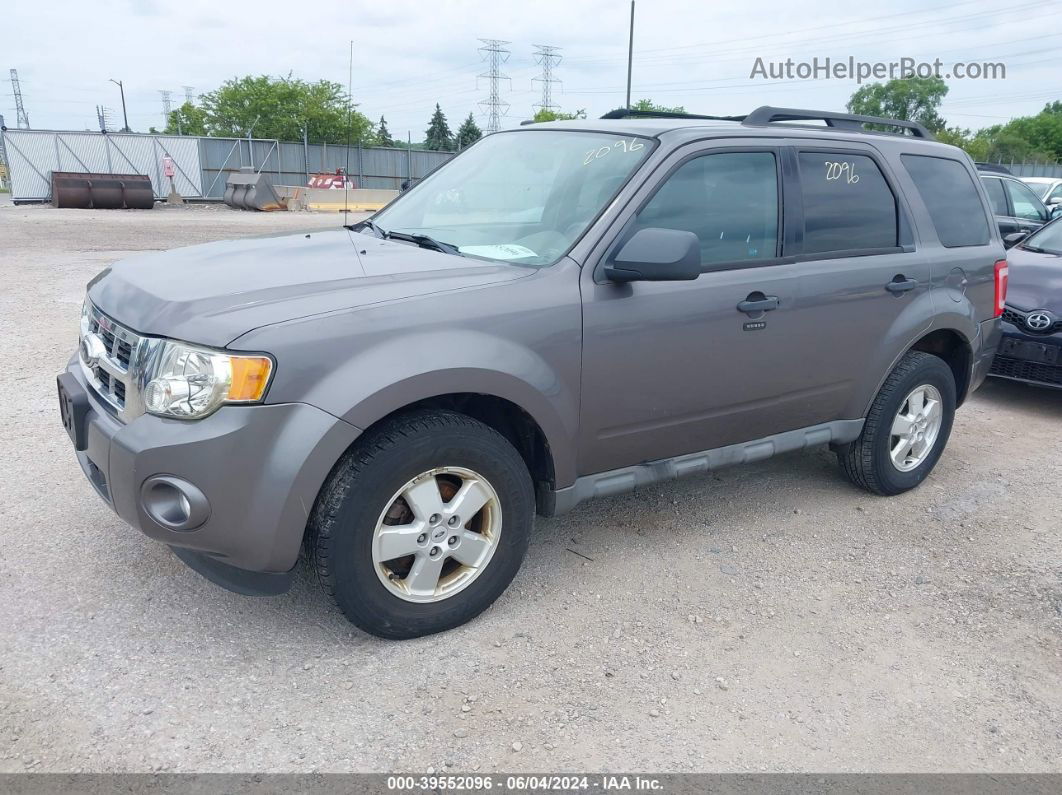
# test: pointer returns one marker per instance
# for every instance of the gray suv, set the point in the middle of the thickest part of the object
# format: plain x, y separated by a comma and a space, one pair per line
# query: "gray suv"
564, 311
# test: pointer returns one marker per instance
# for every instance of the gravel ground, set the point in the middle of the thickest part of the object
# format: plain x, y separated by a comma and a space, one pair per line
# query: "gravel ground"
764, 618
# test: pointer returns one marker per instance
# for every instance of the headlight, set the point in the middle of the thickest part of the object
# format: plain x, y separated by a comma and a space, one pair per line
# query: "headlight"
190, 382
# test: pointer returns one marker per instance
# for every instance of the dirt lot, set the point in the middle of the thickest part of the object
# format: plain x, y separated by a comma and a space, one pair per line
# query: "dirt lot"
764, 618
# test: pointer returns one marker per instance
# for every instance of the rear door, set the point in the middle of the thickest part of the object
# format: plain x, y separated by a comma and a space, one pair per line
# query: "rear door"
864, 285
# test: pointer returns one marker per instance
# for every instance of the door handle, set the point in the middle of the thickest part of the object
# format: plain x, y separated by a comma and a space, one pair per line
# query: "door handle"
762, 303
901, 285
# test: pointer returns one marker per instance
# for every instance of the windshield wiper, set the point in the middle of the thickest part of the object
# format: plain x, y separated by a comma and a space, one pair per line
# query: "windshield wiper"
369, 224
1034, 249
426, 241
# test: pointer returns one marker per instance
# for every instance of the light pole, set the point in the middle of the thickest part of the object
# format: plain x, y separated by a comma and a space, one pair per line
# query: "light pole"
125, 116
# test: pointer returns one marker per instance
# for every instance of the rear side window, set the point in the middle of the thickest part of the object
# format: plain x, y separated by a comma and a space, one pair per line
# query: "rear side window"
950, 195
996, 197
848, 205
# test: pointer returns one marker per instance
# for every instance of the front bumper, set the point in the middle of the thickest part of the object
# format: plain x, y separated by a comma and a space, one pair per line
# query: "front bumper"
258, 469
1029, 358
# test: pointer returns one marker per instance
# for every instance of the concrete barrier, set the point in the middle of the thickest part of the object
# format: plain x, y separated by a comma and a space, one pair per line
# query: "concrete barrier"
329, 200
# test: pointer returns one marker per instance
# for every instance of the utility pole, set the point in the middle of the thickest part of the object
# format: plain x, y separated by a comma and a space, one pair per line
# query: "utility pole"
125, 116
630, 57
495, 54
21, 117
167, 107
548, 56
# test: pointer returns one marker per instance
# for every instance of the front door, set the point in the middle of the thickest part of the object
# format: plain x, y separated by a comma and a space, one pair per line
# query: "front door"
677, 367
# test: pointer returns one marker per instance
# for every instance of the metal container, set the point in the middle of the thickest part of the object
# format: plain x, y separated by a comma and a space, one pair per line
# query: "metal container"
102, 191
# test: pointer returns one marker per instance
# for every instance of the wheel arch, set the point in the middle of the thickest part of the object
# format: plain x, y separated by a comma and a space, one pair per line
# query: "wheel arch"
955, 349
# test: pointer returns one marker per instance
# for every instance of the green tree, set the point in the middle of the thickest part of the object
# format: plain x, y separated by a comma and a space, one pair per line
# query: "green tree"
272, 107
438, 136
468, 133
383, 135
909, 98
558, 115
186, 120
649, 105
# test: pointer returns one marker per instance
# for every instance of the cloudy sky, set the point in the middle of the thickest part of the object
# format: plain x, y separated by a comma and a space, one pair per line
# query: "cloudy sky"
409, 55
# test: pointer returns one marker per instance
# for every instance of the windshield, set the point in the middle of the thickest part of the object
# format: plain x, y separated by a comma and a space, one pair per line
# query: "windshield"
522, 197
1048, 239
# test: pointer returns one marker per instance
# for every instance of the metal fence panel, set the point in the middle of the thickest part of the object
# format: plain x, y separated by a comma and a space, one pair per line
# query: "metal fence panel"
202, 163
37, 153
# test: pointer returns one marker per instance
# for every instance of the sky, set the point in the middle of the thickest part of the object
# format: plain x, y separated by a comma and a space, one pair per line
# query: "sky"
409, 55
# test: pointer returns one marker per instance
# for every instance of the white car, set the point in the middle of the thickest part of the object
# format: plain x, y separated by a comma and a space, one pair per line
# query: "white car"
1049, 189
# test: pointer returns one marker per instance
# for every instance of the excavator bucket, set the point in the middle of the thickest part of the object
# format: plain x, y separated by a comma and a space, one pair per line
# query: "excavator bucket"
102, 191
249, 190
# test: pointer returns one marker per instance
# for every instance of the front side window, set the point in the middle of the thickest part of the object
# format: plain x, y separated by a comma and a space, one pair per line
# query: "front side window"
950, 196
996, 197
729, 200
1026, 205
522, 197
848, 205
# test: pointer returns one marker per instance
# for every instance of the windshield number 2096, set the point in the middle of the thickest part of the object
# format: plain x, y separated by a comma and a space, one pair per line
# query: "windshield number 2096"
623, 145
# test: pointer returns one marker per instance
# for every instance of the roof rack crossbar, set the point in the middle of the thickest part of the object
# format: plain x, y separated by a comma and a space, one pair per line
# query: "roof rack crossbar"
765, 115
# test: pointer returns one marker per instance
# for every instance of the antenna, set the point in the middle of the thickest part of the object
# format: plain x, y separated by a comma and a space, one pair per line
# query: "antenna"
21, 117
548, 56
350, 130
495, 54
167, 107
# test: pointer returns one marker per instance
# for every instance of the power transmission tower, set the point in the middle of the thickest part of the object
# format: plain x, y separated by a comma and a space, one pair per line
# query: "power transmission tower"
189, 95
548, 56
495, 54
21, 117
167, 107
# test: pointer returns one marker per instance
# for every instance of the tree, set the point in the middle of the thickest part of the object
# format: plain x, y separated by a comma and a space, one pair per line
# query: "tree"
468, 133
186, 120
438, 136
557, 115
649, 105
909, 98
383, 135
271, 107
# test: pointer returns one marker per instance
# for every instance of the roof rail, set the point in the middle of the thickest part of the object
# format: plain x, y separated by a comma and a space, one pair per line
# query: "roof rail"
631, 113
761, 117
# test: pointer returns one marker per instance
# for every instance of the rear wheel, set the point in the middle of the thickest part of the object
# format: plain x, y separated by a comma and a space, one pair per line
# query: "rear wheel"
423, 524
906, 429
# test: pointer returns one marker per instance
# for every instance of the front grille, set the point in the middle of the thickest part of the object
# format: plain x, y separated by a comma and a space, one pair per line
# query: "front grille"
1017, 317
112, 376
1027, 371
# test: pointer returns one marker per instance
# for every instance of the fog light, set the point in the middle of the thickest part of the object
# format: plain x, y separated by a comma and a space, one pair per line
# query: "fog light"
174, 503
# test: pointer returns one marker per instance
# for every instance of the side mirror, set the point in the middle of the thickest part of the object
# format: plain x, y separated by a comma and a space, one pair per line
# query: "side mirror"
1054, 202
1055, 208
1014, 238
657, 255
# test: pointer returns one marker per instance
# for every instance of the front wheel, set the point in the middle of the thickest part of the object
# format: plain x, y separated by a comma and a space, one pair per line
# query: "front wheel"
906, 429
423, 524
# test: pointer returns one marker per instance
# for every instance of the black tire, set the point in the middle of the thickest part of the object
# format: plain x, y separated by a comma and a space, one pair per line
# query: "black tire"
866, 461
341, 529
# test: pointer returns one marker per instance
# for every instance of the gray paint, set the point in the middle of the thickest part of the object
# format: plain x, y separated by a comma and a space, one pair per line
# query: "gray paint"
614, 375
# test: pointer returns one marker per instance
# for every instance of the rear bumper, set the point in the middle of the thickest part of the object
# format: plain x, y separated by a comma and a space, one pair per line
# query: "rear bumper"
247, 476
984, 348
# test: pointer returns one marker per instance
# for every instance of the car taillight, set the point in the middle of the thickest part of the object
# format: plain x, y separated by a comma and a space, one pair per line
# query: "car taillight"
1002, 271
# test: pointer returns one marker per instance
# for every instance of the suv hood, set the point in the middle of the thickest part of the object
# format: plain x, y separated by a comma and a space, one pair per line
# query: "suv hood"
1034, 281
213, 293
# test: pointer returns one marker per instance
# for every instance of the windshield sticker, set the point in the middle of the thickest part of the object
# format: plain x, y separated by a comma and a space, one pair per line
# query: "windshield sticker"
633, 145
500, 251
